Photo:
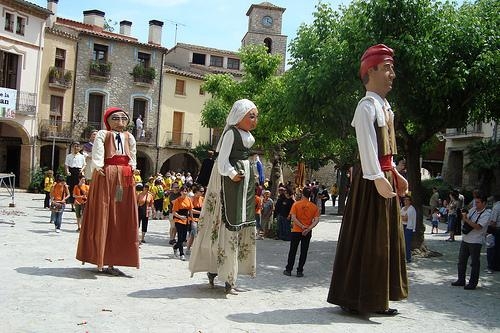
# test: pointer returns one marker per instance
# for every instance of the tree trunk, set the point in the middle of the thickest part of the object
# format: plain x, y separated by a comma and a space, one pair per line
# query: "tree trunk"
415, 187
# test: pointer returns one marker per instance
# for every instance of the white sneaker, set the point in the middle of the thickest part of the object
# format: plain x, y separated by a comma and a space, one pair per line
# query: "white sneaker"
176, 253
58, 230
183, 258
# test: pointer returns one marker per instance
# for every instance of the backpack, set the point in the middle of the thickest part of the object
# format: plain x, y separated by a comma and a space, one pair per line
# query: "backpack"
161, 193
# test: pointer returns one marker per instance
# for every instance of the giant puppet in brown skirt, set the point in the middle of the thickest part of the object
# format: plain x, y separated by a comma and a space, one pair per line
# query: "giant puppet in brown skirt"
370, 268
109, 234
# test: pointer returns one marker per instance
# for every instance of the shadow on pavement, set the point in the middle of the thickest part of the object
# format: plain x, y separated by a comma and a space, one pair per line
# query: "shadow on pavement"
187, 291
317, 316
70, 273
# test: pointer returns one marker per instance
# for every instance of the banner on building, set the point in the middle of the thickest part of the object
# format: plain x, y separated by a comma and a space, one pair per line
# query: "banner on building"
8, 98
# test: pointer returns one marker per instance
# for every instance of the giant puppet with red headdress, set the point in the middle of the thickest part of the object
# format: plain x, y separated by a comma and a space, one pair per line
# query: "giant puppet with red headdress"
370, 267
109, 230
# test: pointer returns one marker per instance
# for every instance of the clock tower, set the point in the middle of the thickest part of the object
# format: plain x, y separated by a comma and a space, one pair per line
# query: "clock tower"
264, 27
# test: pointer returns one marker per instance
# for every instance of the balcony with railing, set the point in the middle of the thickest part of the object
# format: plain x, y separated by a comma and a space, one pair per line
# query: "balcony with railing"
143, 76
147, 137
100, 69
60, 78
56, 130
26, 103
179, 140
471, 131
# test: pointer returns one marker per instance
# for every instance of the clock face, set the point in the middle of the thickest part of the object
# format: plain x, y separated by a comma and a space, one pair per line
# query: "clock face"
267, 21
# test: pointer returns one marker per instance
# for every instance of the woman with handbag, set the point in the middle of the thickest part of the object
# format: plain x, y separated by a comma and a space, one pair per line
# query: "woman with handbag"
58, 196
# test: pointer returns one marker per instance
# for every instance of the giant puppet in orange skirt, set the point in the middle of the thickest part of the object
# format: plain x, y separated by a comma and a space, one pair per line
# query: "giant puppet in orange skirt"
109, 234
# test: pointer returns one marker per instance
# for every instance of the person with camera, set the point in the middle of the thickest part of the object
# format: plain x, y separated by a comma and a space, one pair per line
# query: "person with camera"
475, 223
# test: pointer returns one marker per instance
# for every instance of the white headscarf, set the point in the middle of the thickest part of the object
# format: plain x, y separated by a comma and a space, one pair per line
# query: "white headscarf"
238, 111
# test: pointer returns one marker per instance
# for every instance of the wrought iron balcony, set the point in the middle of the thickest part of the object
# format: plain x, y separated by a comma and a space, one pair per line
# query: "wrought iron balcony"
56, 130
147, 138
26, 103
60, 78
179, 140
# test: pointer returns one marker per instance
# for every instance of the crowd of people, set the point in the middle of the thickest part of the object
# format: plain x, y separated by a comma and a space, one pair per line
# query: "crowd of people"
220, 214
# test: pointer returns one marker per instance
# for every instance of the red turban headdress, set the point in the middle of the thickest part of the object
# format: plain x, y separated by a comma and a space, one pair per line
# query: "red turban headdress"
373, 56
108, 113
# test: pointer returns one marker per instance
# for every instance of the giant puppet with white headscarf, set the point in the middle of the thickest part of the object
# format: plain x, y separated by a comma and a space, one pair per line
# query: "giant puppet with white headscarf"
225, 244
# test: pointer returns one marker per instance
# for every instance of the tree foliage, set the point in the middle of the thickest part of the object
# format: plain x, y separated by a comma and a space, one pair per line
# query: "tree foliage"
447, 63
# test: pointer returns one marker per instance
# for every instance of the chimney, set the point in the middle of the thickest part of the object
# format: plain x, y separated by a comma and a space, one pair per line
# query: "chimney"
94, 17
125, 27
155, 32
52, 6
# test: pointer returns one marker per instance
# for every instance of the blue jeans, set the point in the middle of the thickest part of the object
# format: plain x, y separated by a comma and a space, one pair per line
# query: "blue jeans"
284, 228
408, 237
257, 222
56, 217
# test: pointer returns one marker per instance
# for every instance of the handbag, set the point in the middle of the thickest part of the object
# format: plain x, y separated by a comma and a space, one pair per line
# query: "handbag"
466, 227
55, 207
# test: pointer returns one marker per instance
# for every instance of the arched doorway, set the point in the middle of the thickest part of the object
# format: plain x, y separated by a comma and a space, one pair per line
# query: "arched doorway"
144, 164
15, 152
181, 162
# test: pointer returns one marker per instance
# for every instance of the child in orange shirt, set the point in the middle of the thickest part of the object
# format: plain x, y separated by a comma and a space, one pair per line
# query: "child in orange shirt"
182, 211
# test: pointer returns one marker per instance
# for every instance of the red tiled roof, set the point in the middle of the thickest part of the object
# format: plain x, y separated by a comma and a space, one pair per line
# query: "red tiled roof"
100, 32
199, 71
29, 7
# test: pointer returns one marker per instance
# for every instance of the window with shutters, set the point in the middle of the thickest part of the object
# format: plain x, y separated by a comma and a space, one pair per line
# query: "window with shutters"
180, 87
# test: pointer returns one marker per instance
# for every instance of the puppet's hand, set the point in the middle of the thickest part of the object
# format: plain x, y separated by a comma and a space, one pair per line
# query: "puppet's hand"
384, 188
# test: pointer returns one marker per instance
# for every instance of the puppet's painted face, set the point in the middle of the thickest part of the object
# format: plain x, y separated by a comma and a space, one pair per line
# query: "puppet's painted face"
118, 121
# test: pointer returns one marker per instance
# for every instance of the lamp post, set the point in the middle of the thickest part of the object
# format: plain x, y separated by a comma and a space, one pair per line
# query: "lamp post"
53, 144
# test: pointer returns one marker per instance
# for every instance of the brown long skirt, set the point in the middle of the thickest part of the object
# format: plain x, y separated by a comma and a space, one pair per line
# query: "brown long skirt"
109, 233
369, 268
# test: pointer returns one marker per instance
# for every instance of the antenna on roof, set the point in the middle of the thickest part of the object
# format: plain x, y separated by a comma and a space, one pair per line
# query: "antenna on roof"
176, 25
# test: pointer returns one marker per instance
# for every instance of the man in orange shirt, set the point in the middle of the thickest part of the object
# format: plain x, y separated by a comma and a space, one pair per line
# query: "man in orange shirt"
305, 216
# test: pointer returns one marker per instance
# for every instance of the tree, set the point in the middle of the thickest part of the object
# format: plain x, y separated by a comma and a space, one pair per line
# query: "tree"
447, 66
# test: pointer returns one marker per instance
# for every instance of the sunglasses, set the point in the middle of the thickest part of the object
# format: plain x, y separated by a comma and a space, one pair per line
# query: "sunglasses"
119, 118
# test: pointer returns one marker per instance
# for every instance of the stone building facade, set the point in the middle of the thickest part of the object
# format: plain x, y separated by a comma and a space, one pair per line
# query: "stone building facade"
114, 69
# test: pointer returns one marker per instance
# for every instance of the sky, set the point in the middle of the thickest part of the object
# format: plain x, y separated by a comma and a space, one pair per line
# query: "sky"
218, 24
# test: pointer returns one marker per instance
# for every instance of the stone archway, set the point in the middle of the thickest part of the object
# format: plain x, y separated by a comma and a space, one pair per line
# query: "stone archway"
181, 162
144, 164
16, 152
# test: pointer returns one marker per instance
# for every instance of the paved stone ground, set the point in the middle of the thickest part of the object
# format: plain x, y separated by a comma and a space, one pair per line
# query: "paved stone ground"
45, 289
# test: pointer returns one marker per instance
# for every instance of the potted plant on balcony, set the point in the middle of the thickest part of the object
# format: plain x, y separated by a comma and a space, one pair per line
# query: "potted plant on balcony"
138, 71
100, 68
149, 73
54, 74
68, 77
